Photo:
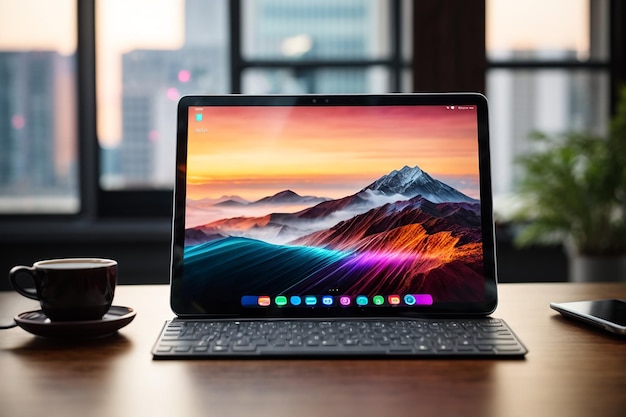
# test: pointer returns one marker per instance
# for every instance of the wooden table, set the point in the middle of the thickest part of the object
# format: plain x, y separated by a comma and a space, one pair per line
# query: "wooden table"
571, 370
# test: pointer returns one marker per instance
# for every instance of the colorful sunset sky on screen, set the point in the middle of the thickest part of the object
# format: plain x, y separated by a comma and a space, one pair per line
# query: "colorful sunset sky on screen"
254, 152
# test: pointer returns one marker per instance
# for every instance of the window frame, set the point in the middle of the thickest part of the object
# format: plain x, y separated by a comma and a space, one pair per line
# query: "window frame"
593, 67
613, 64
155, 205
146, 203
238, 64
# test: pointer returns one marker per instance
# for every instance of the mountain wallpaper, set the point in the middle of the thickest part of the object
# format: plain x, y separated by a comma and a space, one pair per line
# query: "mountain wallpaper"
403, 232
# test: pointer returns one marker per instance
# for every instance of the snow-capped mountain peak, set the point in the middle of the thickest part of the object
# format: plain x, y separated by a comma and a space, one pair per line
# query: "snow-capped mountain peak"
400, 181
413, 181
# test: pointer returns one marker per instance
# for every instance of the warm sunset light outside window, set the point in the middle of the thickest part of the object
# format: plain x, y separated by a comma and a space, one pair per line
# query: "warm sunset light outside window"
38, 164
132, 35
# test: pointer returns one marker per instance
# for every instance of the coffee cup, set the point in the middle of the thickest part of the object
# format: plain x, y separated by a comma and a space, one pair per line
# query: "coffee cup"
70, 289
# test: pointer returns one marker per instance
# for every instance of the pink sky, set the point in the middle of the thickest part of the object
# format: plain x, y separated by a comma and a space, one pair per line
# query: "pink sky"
327, 151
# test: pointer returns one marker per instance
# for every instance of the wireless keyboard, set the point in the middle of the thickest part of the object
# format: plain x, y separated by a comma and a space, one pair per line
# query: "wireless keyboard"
486, 337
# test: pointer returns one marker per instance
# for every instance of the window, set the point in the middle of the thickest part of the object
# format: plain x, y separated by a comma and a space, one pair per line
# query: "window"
548, 71
38, 163
146, 53
319, 46
147, 57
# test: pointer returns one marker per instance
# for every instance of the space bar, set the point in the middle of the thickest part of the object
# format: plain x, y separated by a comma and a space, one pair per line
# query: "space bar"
321, 350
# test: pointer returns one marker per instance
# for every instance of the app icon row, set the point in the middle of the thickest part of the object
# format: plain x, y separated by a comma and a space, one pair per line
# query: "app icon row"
330, 300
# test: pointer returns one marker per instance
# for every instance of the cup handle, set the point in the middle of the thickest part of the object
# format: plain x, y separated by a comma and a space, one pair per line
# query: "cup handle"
17, 270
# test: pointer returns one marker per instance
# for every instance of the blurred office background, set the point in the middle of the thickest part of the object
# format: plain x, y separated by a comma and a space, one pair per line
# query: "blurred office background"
88, 92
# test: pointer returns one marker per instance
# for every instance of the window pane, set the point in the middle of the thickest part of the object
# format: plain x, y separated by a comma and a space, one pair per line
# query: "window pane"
546, 30
321, 81
148, 54
315, 29
549, 101
406, 11
38, 168
407, 80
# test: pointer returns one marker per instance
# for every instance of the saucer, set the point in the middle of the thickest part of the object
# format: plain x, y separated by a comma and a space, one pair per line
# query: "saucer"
38, 324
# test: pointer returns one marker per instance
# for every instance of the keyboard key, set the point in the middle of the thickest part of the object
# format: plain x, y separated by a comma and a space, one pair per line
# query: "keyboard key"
217, 348
244, 348
164, 349
182, 349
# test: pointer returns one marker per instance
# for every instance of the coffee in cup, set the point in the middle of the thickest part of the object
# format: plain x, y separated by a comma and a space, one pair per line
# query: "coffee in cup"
70, 289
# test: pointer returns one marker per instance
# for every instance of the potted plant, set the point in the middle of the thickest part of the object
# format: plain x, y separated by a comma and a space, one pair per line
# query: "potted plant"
574, 193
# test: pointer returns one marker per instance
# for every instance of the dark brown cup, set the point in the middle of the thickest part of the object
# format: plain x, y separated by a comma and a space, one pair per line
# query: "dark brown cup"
71, 289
